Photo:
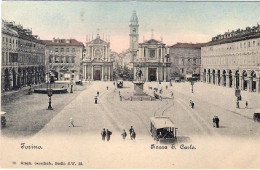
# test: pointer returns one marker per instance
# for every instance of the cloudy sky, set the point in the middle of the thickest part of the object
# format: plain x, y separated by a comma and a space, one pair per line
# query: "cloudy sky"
174, 21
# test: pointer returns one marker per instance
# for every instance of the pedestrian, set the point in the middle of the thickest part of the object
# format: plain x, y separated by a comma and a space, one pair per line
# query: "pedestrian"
192, 105
166, 87
107, 87
124, 134
72, 122
120, 98
237, 104
103, 134
97, 93
108, 134
114, 83
214, 121
217, 121
246, 105
171, 94
131, 130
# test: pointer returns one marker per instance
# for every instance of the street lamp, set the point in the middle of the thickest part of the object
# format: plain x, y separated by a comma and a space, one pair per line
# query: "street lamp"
192, 83
71, 86
49, 92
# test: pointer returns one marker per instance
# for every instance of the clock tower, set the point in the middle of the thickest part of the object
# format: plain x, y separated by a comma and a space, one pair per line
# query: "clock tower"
134, 36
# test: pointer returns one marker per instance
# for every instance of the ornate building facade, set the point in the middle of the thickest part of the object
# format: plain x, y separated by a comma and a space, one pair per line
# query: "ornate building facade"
23, 57
150, 56
185, 58
97, 62
63, 57
233, 60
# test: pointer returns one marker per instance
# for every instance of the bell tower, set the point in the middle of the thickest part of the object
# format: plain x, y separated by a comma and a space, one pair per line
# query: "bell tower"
134, 36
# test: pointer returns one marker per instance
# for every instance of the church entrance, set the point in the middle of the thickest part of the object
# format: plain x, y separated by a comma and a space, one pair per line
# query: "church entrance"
97, 75
152, 74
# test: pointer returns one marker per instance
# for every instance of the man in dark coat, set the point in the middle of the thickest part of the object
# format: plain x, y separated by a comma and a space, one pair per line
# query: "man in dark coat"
108, 133
217, 121
103, 134
214, 121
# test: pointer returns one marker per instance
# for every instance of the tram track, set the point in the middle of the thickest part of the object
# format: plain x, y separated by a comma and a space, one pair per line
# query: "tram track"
126, 118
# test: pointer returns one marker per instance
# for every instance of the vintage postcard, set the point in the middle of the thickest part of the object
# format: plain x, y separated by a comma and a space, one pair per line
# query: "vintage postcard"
130, 84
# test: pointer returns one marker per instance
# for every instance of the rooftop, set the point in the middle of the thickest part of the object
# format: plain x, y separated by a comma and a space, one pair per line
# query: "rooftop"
234, 39
188, 45
162, 122
62, 42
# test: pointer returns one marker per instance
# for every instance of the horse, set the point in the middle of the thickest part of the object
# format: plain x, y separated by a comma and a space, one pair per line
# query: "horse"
133, 135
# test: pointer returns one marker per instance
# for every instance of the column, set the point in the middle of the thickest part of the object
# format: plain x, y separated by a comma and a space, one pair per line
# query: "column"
212, 78
227, 81
221, 80
242, 83
109, 72
134, 73
258, 85
105, 52
216, 79
102, 73
83, 72
164, 74
146, 74
249, 84
234, 80
86, 72
157, 74
92, 54
92, 73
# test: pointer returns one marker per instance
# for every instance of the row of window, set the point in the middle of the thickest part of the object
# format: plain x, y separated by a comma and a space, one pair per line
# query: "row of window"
232, 61
57, 59
63, 49
234, 46
13, 42
8, 58
187, 61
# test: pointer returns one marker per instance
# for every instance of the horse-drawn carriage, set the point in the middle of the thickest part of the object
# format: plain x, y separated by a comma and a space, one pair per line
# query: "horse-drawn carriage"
163, 130
119, 83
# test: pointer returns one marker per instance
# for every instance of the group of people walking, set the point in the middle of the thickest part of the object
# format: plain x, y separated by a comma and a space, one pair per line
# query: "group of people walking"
105, 134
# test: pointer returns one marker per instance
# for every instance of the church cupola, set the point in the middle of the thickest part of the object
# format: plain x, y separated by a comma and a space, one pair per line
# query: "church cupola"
134, 19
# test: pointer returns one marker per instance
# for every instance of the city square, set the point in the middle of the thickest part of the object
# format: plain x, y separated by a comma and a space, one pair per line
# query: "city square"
66, 103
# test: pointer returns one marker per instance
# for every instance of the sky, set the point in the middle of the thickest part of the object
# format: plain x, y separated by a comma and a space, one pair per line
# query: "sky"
180, 21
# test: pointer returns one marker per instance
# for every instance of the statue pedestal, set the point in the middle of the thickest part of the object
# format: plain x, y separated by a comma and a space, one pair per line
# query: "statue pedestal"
138, 88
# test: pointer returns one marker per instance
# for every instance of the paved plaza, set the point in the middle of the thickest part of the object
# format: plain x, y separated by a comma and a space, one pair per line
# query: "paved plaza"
29, 120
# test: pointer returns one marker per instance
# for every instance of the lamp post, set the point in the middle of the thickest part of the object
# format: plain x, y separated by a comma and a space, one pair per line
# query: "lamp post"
49, 92
71, 86
192, 83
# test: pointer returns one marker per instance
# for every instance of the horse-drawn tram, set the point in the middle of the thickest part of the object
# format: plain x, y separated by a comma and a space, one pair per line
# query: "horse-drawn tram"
163, 130
119, 83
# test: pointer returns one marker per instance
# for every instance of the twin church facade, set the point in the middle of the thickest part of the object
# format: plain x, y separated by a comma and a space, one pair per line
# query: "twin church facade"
149, 57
